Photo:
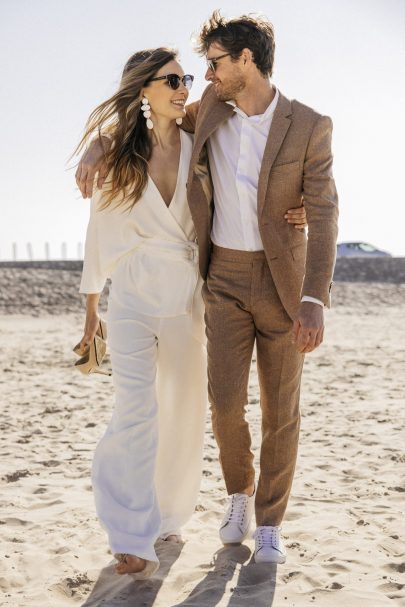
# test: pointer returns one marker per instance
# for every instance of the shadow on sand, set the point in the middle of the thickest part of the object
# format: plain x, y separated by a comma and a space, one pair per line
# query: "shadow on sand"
255, 584
112, 590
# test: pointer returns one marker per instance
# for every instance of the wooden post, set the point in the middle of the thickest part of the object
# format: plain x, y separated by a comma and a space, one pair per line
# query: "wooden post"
47, 251
30, 251
64, 250
79, 250
14, 251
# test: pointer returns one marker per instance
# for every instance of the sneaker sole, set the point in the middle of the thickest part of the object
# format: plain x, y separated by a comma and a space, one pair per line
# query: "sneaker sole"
235, 542
280, 561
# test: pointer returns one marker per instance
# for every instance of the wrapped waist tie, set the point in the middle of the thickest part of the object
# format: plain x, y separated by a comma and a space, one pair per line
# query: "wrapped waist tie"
187, 251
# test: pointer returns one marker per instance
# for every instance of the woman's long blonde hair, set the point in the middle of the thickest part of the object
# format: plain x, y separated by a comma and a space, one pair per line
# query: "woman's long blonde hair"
120, 117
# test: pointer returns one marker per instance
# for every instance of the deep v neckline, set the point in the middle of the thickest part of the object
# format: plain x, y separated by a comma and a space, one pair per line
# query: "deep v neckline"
177, 180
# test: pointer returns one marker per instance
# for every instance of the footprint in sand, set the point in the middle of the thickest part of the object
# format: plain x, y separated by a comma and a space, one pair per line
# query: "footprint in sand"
78, 586
17, 522
398, 567
15, 476
50, 463
335, 586
390, 587
291, 576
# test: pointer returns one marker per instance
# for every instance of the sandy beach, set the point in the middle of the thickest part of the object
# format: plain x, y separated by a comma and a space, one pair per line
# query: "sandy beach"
344, 528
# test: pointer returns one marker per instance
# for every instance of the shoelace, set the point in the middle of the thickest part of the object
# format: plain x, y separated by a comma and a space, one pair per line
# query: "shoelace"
237, 508
268, 537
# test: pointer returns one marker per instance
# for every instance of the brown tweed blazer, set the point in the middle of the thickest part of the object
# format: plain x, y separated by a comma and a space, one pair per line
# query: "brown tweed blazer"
297, 162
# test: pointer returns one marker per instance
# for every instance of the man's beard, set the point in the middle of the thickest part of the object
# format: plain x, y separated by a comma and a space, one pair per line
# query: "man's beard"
228, 92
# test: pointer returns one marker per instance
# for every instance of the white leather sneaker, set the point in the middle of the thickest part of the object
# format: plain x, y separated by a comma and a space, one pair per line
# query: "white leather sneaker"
269, 547
236, 522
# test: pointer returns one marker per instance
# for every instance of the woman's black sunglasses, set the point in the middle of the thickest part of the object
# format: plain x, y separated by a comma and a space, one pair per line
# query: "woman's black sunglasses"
173, 80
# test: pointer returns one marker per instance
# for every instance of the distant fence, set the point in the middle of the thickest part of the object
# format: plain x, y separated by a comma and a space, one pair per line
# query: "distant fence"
27, 252
42, 264
348, 269
370, 269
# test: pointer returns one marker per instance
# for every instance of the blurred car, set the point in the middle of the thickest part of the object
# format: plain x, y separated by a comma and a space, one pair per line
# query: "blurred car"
359, 249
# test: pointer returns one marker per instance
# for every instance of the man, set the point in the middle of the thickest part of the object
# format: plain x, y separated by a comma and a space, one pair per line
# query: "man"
265, 283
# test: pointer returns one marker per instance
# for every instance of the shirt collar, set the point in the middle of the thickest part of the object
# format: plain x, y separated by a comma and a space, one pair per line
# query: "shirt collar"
259, 118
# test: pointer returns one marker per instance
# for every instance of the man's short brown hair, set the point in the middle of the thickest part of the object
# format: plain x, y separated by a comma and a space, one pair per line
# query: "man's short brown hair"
253, 32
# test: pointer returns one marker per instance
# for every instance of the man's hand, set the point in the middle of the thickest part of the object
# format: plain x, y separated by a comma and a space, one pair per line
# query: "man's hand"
90, 163
308, 327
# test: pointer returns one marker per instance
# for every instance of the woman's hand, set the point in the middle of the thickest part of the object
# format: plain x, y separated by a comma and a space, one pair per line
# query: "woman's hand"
92, 161
297, 217
92, 322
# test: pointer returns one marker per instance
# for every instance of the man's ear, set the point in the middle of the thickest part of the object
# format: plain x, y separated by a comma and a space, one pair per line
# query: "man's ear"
247, 55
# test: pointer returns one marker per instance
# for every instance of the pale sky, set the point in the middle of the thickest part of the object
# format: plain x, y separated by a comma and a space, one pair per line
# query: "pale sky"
58, 60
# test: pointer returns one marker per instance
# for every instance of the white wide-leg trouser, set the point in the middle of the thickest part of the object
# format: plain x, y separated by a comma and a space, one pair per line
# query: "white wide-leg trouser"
147, 467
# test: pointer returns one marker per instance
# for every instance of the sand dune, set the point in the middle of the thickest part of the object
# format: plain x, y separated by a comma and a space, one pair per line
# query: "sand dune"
344, 528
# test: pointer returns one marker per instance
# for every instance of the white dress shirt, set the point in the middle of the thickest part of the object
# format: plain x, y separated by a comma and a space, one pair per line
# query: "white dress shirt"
235, 152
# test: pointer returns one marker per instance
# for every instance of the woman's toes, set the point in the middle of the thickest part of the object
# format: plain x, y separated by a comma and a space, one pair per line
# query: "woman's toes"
130, 564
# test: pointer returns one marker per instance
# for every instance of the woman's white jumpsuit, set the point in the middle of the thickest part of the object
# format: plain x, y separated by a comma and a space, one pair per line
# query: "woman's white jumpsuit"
147, 467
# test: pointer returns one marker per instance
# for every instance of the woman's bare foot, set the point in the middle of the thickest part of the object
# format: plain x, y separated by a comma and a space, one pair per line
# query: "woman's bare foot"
129, 563
174, 537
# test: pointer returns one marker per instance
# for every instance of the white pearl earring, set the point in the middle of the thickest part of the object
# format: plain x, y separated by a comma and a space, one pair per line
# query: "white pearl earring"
145, 107
179, 121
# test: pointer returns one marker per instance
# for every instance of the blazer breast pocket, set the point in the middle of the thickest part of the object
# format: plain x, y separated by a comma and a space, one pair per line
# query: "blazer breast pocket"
285, 186
285, 168
286, 175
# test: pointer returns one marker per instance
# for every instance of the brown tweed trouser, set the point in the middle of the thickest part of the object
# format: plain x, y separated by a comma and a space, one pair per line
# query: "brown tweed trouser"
243, 307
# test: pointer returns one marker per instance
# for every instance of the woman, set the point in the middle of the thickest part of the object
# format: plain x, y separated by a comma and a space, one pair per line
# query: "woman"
147, 467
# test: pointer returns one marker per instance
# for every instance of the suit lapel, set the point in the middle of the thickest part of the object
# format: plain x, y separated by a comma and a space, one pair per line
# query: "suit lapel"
212, 113
199, 187
279, 127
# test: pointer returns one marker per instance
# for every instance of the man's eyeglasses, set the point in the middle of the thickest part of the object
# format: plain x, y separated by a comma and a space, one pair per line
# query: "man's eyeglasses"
173, 80
212, 63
